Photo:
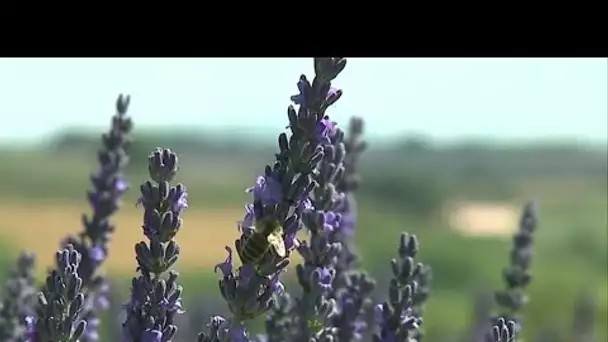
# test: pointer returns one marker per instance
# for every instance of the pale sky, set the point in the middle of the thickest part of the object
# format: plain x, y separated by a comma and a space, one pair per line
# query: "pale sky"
501, 99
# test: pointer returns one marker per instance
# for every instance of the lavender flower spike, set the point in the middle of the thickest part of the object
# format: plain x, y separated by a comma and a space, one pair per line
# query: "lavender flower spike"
18, 297
310, 318
503, 331
517, 276
352, 288
395, 318
60, 303
156, 301
281, 196
109, 185
317, 307
313, 129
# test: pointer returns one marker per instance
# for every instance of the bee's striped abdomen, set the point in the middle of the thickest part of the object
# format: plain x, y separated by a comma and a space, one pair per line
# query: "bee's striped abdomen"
255, 248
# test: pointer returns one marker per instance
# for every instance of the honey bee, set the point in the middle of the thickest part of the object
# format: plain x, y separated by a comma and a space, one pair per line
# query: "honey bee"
266, 236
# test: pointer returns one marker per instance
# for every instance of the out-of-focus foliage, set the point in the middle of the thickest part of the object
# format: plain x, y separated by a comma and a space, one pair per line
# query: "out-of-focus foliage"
412, 193
461, 169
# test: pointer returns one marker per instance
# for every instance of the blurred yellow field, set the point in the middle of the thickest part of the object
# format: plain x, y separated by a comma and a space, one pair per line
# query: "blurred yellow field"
484, 219
201, 238
39, 227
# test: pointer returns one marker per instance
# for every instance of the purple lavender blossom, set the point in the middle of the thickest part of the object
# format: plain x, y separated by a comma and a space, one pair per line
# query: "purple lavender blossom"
325, 128
109, 185
311, 315
317, 274
351, 288
92, 329
92, 244
517, 276
102, 301
220, 329
354, 146
18, 298
395, 318
60, 303
316, 192
267, 189
156, 301
283, 194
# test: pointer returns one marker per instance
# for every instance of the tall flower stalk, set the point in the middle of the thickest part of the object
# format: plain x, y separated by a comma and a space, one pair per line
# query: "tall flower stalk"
395, 318
354, 146
60, 303
109, 185
517, 275
316, 307
480, 327
285, 195
155, 293
352, 288
18, 298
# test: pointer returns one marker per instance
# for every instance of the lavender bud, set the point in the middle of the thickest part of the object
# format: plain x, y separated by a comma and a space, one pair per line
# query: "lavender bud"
60, 303
109, 185
395, 318
517, 276
155, 302
503, 331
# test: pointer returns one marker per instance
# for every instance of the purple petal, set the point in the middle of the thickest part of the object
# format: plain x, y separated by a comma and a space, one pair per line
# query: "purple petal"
324, 129
276, 286
290, 240
226, 266
97, 254
151, 335
248, 219
246, 272
181, 203
332, 91
297, 99
267, 190
238, 333
101, 302
120, 185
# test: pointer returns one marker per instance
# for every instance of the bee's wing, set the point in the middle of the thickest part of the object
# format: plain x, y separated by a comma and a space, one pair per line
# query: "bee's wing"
276, 241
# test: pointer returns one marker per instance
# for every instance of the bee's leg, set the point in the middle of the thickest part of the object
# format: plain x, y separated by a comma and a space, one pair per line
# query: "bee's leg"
238, 243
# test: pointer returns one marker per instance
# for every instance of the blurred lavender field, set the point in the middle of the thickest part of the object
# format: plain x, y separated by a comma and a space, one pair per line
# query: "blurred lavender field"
462, 199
